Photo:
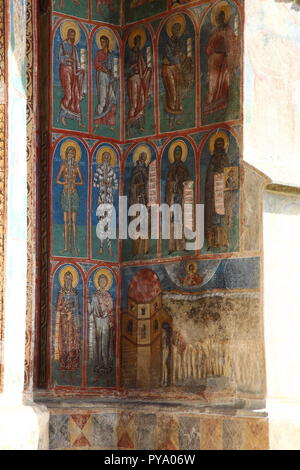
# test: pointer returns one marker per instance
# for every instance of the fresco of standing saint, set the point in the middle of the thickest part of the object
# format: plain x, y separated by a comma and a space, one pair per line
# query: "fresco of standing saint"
101, 328
139, 60
67, 327
69, 199
140, 187
220, 59
105, 183
220, 193
70, 77
106, 83
177, 70
178, 170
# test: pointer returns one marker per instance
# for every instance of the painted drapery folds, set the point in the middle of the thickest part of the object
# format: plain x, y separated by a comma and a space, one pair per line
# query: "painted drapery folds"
146, 104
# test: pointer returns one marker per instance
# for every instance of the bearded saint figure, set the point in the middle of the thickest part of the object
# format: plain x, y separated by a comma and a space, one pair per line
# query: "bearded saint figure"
71, 77
139, 77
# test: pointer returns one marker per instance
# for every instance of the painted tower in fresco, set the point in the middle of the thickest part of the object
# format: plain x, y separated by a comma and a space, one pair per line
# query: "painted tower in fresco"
146, 332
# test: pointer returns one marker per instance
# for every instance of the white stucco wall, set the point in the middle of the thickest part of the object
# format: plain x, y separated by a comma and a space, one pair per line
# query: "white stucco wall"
272, 89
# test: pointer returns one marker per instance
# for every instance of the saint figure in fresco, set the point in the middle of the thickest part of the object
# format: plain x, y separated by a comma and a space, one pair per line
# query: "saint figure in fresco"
106, 108
67, 338
69, 177
72, 77
192, 278
139, 77
61, 3
177, 175
223, 59
138, 194
177, 74
216, 230
101, 3
105, 180
102, 325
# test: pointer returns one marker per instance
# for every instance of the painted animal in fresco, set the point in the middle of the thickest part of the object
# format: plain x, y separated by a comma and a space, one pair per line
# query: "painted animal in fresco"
106, 84
67, 338
176, 71
139, 76
69, 177
223, 59
177, 175
105, 180
102, 325
72, 77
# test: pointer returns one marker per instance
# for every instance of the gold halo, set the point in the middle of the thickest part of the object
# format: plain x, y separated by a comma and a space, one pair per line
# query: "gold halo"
217, 8
107, 274
216, 136
134, 33
191, 264
178, 18
70, 143
64, 28
139, 150
111, 38
72, 271
182, 145
109, 150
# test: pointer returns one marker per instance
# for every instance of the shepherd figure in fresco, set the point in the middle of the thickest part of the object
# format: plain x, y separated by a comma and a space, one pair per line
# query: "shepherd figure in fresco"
102, 324
139, 194
216, 230
106, 83
177, 175
139, 77
70, 177
223, 60
101, 3
67, 344
177, 70
72, 74
105, 180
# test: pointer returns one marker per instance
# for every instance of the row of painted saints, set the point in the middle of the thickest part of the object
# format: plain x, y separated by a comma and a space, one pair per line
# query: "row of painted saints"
219, 191
219, 57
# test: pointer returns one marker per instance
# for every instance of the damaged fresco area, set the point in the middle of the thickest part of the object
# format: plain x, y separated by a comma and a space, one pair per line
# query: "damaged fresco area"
193, 326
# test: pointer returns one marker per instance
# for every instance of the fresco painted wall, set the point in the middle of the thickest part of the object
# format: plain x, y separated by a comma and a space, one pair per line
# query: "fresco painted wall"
152, 111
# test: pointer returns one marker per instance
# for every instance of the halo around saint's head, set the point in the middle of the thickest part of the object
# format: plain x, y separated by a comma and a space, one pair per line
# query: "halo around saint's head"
74, 273
102, 151
66, 26
110, 36
178, 18
218, 135
184, 149
103, 272
142, 149
222, 6
193, 264
70, 143
137, 32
